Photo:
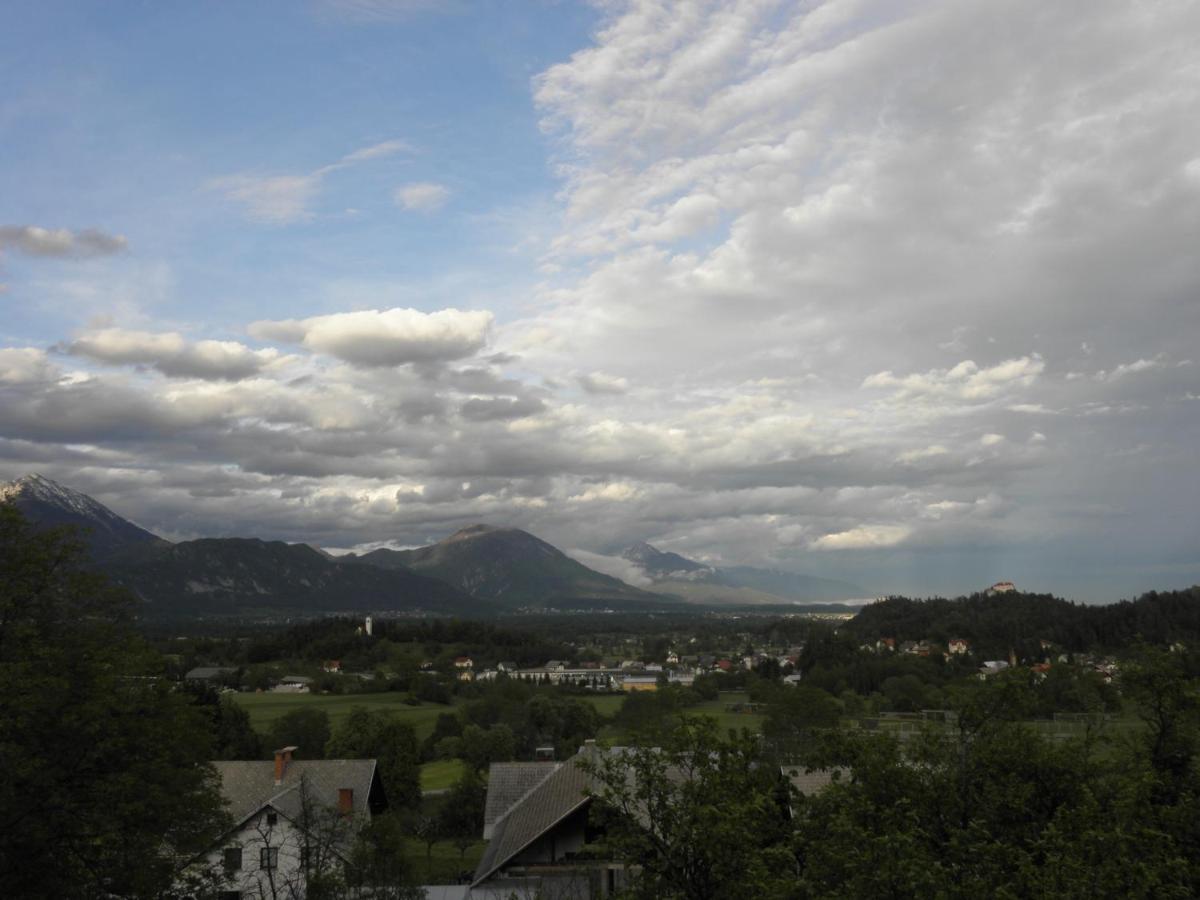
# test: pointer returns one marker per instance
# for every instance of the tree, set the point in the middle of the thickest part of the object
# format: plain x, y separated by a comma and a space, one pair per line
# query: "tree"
698, 818
307, 729
461, 816
392, 743
235, 738
481, 747
795, 713
105, 788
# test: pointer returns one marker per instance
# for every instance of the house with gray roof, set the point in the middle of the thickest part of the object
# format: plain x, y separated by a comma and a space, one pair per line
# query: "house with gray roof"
208, 673
291, 817
536, 824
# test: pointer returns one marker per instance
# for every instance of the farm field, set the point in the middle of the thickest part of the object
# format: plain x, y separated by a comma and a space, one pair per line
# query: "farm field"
266, 707
719, 709
605, 704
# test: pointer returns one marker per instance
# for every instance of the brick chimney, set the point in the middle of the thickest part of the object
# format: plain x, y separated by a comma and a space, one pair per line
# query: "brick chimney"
283, 756
346, 801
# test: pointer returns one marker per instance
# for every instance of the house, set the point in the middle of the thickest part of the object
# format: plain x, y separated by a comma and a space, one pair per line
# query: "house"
958, 645
792, 679
809, 782
555, 665
463, 662
507, 667
672, 658
331, 665
291, 818
293, 684
537, 828
209, 673
724, 665
992, 667
1001, 587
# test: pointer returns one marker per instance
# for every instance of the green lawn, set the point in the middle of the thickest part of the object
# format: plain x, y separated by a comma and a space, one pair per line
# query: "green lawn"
440, 774
605, 704
719, 709
266, 707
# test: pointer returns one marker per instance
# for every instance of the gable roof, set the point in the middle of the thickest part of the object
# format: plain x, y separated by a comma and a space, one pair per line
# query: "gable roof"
206, 673
508, 783
812, 781
559, 794
249, 785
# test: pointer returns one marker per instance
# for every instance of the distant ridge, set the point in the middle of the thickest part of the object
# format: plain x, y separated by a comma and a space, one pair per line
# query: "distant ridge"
510, 568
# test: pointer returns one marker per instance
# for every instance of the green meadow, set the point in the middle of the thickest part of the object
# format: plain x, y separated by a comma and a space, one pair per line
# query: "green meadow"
266, 707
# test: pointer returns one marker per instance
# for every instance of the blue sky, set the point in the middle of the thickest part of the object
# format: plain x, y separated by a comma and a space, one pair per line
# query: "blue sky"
126, 114
901, 293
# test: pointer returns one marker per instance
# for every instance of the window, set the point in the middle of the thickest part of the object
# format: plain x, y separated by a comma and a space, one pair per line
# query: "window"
272, 819
268, 857
233, 858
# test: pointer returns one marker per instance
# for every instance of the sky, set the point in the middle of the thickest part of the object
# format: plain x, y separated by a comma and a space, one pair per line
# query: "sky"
905, 293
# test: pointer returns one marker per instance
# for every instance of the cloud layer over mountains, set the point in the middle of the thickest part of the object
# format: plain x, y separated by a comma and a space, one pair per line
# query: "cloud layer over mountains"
901, 292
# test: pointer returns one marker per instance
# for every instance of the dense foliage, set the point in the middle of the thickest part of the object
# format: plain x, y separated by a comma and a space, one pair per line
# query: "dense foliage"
981, 805
105, 786
999, 623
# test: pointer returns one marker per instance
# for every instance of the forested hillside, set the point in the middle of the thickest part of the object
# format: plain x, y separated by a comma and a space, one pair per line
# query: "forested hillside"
996, 624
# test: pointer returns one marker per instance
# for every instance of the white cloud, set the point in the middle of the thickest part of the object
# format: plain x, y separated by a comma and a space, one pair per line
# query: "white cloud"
616, 566
389, 337
275, 199
421, 196
965, 381
171, 354
21, 365
864, 537
287, 199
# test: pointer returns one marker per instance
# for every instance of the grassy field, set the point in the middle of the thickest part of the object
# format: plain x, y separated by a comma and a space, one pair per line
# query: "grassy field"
440, 774
719, 710
266, 707
605, 704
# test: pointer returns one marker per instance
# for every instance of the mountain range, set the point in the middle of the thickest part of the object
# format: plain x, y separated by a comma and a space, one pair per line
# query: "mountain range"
509, 567
475, 571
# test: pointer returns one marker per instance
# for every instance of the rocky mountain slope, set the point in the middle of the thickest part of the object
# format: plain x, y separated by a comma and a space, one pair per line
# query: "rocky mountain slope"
50, 504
